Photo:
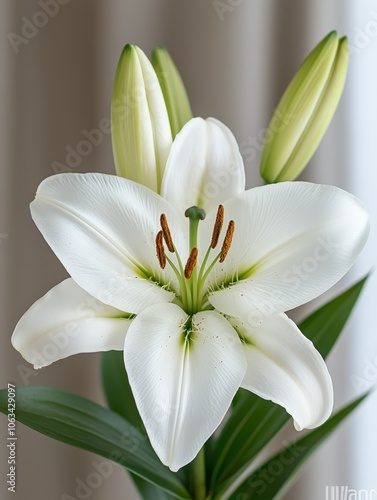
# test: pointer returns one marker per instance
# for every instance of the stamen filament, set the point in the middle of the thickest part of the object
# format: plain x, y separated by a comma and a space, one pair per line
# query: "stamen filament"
209, 269
191, 279
204, 263
185, 287
179, 278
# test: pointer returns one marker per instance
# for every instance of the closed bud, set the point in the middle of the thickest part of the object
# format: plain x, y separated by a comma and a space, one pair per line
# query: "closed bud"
305, 111
141, 132
174, 91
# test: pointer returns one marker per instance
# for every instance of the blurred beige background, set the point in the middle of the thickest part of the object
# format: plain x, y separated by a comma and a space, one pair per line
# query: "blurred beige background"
236, 57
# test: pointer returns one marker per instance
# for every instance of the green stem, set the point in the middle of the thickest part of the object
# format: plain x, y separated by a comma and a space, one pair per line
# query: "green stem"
198, 475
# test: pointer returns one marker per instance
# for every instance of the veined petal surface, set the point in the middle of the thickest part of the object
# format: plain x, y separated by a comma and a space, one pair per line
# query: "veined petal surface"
65, 321
103, 230
284, 366
204, 167
292, 242
184, 372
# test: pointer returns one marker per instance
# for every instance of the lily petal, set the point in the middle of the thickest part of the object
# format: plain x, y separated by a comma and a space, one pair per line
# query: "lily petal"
182, 387
204, 167
103, 229
67, 321
284, 366
292, 242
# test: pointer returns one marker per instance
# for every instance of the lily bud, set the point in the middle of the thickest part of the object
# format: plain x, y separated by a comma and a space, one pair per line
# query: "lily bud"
174, 91
305, 111
140, 124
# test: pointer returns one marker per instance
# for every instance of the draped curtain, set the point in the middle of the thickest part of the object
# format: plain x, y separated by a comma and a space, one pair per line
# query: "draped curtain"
236, 58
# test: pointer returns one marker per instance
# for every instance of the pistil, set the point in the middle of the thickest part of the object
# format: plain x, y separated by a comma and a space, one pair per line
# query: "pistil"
191, 279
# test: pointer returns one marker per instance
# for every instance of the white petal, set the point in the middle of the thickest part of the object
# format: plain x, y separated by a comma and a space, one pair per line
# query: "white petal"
292, 242
284, 366
103, 229
182, 388
67, 321
204, 167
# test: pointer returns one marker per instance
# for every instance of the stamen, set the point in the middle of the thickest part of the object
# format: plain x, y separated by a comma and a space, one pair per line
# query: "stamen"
166, 232
191, 263
160, 252
227, 241
218, 226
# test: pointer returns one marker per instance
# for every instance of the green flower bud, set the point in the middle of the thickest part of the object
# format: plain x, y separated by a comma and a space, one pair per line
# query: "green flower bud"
139, 119
305, 111
174, 91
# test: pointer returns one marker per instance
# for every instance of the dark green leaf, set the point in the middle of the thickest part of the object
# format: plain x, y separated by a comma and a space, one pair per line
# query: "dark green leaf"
148, 490
82, 423
275, 476
324, 326
121, 400
253, 421
117, 390
252, 424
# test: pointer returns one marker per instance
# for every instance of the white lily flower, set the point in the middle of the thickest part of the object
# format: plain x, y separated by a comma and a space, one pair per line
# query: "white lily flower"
203, 297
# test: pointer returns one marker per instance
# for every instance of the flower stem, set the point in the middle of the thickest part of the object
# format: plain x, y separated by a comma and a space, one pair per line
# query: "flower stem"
198, 476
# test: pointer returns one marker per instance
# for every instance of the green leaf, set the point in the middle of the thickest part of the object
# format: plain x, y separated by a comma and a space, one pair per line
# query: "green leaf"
148, 490
120, 399
277, 474
252, 424
117, 389
253, 421
82, 423
175, 95
324, 326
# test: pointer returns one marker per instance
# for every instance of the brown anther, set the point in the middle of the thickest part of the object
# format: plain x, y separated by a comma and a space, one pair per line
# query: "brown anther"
227, 241
166, 232
160, 252
191, 263
218, 226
